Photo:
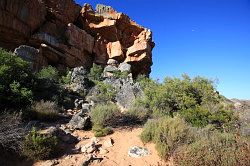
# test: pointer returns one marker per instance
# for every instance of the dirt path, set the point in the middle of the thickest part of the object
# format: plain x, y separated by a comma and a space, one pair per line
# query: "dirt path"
118, 154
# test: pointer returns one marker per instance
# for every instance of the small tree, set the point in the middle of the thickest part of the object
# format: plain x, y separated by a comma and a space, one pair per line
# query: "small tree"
15, 81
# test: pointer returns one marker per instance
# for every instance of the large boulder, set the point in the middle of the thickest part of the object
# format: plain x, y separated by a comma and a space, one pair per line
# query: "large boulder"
79, 79
127, 91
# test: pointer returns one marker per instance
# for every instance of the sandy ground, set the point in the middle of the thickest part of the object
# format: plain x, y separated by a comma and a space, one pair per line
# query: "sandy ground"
118, 154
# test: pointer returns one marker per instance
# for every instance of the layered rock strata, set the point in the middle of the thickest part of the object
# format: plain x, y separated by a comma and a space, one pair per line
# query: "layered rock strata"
68, 35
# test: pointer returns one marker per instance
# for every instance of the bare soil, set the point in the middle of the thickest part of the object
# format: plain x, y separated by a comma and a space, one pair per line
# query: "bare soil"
118, 153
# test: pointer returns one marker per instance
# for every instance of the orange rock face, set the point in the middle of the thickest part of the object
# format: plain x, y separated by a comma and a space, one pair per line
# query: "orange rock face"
69, 35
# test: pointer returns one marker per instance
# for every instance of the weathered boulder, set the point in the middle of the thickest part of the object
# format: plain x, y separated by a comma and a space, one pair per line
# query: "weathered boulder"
27, 53
126, 90
124, 67
79, 79
79, 121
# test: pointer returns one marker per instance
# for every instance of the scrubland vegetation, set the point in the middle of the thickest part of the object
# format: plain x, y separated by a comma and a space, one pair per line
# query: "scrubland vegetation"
186, 118
191, 122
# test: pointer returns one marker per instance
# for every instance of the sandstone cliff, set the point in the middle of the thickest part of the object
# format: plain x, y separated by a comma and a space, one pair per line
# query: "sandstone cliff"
68, 35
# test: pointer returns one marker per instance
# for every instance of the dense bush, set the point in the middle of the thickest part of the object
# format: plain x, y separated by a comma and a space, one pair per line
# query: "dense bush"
184, 102
137, 114
38, 147
44, 111
200, 117
15, 81
194, 99
49, 86
101, 116
49, 73
215, 149
168, 134
176, 94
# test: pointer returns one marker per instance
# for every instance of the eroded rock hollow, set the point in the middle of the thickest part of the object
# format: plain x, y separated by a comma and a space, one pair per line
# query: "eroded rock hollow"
68, 35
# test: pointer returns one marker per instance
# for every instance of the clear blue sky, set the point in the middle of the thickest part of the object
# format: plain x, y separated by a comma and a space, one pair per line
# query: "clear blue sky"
210, 38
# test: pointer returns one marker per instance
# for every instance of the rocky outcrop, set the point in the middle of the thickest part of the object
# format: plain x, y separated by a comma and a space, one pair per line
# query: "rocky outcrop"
68, 35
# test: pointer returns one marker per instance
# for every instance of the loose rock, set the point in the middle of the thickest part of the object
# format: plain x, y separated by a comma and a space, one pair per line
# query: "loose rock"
137, 151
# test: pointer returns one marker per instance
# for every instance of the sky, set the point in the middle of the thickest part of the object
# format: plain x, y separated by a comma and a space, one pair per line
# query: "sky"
209, 38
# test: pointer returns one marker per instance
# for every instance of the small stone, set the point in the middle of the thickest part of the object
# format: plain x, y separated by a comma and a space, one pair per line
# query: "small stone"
137, 152
86, 160
88, 148
112, 62
103, 151
108, 143
95, 140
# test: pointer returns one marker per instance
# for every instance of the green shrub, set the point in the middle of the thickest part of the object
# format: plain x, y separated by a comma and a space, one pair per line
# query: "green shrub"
39, 147
49, 73
176, 94
66, 78
200, 117
15, 81
100, 131
215, 149
96, 73
44, 111
137, 114
168, 134
101, 116
120, 74
105, 93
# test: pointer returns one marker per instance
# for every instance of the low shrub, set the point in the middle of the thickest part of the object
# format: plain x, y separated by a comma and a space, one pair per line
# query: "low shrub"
44, 110
49, 73
95, 73
104, 93
39, 147
200, 117
137, 114
101, 116
11, 134
65, 77
100, 131
120, 74
215, 149
168, 134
